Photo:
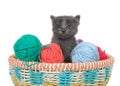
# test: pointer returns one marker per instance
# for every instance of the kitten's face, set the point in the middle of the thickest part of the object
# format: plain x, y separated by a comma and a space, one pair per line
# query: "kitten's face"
65, 26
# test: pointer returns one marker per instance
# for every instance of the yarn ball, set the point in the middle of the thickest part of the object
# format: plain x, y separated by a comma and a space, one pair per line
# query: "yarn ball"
84, 52
102, 54
51, 53
27, 48
79, 41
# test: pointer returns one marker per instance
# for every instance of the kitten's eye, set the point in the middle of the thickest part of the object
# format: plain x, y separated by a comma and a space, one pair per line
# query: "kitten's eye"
68, 26
58, 25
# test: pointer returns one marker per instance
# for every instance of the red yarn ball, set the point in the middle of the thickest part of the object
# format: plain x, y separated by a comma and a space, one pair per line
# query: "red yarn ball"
102, 54
52, 54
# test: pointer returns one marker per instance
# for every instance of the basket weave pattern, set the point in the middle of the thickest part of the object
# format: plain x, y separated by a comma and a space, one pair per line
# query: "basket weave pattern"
61, 74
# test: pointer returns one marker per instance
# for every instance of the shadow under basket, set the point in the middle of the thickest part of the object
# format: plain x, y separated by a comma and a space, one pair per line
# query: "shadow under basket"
60, 74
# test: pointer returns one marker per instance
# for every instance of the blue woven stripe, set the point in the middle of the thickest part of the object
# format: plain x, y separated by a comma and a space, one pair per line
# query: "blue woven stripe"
10, 73
17, 72
36, 77
65, 78
107, 70
90, 76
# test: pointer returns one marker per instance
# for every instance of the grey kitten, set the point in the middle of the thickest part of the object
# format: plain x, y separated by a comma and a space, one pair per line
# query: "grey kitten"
64, 30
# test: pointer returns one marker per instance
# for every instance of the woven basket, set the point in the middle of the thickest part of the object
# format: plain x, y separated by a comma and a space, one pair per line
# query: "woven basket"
60, 74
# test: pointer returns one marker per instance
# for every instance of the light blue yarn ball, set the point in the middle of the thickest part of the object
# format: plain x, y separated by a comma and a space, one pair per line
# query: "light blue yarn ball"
84, 52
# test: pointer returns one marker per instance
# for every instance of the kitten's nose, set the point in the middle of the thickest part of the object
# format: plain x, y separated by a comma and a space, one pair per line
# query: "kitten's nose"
63, 30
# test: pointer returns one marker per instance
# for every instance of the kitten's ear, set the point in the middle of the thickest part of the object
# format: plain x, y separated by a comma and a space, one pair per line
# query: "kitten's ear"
77, 17
52, 17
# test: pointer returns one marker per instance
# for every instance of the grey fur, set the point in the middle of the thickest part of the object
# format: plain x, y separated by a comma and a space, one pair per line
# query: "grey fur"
64, 31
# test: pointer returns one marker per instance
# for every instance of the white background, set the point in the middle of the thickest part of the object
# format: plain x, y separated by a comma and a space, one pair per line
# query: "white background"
99, 24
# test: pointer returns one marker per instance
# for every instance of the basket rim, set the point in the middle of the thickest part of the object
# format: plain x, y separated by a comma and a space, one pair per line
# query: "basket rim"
13, 61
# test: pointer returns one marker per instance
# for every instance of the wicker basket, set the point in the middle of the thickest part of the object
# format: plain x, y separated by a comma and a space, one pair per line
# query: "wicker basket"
60, 74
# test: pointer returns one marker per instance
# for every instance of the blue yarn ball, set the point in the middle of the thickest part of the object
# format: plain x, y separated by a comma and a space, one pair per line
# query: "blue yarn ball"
84, 52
